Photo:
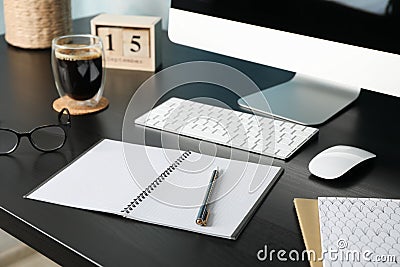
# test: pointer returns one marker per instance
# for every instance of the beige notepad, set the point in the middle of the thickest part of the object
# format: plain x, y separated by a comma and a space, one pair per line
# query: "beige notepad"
307, 214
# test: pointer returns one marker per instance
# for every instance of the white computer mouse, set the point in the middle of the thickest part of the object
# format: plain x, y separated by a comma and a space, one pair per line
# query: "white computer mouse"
337, 160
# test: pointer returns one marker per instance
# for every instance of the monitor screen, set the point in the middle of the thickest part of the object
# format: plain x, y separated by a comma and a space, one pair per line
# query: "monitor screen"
371, 24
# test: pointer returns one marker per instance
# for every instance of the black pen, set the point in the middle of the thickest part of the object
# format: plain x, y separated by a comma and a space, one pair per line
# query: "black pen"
203, 214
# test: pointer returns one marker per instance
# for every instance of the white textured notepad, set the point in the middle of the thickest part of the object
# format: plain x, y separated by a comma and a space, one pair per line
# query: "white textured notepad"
360, 231
101, 181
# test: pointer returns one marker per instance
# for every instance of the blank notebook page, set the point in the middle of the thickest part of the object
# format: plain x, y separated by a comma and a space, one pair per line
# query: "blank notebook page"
98, 180
234, 201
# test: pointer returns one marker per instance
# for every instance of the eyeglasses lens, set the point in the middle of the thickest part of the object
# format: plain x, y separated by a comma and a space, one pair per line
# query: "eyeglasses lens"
48, 138
8, 141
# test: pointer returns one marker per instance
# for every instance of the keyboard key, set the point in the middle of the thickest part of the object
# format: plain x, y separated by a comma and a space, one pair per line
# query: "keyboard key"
282, 154
299, 127
308, 130
285, 141
283, 147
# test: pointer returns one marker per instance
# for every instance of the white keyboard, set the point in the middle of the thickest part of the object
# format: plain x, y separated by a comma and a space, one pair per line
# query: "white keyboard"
257, 134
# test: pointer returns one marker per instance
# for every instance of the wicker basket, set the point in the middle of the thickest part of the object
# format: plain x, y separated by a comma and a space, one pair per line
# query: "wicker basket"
34, 23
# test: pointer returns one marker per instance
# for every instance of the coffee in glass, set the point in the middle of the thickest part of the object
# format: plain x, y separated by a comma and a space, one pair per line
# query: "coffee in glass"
77, 62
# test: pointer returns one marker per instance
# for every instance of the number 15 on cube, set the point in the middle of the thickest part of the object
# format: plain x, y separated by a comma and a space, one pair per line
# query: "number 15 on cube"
130, 42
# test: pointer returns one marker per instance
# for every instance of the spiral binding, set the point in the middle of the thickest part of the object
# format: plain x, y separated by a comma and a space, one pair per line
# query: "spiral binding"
145, 193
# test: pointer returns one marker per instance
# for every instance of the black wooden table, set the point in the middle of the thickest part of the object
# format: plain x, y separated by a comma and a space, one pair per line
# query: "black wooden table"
77, 237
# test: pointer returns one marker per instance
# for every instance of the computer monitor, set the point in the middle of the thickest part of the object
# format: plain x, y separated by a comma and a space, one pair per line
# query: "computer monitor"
335, 47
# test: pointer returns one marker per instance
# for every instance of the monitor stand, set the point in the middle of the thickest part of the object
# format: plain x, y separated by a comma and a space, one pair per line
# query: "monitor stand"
302, 99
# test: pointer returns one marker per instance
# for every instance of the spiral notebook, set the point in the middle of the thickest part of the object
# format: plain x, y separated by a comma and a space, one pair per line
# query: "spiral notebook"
100, 181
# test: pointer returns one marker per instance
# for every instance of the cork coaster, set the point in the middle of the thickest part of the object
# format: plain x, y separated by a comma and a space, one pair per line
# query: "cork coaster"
76, 109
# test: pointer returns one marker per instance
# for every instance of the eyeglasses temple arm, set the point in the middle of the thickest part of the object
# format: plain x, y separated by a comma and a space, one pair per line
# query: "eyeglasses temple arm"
63, 111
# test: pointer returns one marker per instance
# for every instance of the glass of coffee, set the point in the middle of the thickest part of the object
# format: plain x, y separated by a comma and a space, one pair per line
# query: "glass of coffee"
78, 68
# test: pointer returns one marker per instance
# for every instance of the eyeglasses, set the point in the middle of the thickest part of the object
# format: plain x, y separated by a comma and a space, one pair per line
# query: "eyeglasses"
44, 138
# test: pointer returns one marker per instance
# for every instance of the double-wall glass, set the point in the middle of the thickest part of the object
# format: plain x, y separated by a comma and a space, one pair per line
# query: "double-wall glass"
78, 69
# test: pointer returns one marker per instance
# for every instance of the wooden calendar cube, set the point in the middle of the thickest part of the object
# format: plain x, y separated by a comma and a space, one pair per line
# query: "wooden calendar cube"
112, 40
130, 42
136, 43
